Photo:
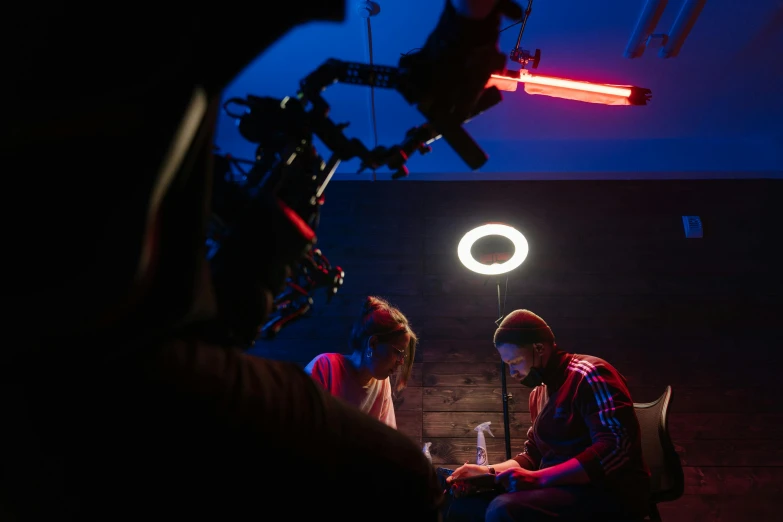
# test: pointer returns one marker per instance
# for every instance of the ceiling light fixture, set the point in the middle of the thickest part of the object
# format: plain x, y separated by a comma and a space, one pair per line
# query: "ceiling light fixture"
668, 44
681, 28
645, 26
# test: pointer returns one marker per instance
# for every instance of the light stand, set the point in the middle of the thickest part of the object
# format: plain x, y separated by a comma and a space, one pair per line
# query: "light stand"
503, 389
499, 263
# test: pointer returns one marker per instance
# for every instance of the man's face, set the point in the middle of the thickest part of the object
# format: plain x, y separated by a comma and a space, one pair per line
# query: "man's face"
519, 358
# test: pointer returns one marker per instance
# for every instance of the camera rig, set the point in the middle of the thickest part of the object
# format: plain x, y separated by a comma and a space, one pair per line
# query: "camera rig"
289, 177
265, 117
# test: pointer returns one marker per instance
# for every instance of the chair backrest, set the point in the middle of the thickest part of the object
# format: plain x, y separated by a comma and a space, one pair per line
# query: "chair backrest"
666, 477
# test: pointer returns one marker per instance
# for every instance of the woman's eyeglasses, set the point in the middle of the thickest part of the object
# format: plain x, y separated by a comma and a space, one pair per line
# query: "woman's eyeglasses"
399, 354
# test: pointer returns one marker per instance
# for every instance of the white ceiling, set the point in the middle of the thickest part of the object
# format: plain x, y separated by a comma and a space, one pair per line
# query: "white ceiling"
716, 109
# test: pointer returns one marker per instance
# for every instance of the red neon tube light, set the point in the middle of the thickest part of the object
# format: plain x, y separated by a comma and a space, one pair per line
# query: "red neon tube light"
589, 92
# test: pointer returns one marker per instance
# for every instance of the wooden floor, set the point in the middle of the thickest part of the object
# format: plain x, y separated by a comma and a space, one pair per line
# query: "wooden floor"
610, 270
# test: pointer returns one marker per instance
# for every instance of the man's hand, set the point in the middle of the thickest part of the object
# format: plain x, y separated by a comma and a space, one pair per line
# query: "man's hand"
459, 486
519, 479
466, 471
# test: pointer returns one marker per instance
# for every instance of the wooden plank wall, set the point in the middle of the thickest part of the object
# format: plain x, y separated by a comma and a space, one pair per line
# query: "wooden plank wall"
610, 270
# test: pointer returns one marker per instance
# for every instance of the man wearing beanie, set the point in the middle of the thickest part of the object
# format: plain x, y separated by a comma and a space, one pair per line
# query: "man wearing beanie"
582, 457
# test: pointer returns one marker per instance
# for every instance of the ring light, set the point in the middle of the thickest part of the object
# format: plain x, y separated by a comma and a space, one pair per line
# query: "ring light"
492, 229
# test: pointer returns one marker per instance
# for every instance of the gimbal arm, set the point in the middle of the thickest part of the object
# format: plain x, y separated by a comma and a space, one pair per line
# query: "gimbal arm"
417, 138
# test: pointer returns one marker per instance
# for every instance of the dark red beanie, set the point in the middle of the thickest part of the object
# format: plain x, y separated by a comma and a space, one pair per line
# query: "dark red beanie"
523, 327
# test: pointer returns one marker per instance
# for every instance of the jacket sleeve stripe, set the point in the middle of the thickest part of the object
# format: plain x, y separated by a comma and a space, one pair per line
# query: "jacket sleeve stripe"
606, 413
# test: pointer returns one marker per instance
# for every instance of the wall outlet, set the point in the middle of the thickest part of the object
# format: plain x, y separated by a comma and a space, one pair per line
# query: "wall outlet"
692, 226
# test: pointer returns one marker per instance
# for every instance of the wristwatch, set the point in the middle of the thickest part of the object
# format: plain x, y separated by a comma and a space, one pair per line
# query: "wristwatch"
491, 470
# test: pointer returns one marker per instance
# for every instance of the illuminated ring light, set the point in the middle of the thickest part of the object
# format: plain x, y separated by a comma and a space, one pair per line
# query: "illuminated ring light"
492, 229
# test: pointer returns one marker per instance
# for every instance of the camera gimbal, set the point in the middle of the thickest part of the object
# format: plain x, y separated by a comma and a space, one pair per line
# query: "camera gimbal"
288, 175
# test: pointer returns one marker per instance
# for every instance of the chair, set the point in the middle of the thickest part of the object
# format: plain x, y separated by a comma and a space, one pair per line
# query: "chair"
667, 482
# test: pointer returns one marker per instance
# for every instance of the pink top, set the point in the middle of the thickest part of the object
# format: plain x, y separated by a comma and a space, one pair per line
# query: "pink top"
337, 375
